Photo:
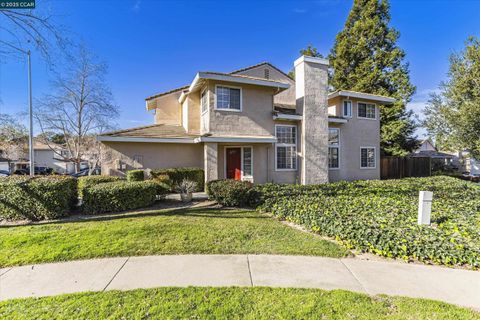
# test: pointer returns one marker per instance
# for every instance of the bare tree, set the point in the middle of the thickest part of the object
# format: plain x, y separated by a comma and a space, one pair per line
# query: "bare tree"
24, 28
13, 138
81, 106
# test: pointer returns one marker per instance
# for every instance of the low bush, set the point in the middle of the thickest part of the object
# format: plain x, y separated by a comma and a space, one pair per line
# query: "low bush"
230, 193
135, 175
177, 175
39, 198
163, 178
120, 196
88, 181
381, 216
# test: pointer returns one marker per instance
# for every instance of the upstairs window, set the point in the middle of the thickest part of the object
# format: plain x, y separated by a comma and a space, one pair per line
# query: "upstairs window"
204, 100
229, 98
347, 109
333, 148
367, 158
366, 110
286, 147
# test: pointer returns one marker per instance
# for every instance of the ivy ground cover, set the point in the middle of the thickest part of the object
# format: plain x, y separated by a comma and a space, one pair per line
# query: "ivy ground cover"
381, 216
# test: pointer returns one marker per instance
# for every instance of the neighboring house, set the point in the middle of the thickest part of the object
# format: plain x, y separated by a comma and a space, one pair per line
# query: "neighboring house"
257, 124
440, 160
44, 156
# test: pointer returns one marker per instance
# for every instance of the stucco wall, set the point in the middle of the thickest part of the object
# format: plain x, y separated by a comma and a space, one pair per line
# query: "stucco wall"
284, 97
155, 155
353, 135
168, 110
255, 117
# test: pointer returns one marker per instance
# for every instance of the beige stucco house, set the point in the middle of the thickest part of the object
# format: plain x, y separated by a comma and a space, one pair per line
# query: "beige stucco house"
257, 124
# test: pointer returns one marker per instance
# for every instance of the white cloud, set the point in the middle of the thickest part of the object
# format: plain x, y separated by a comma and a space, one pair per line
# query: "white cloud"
298, 10
136, 5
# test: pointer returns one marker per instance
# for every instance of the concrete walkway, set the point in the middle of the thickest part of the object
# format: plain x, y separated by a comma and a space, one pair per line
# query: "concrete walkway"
461, 287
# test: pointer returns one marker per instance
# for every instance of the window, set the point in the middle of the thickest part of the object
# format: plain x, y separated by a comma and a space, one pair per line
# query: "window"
204, 100
138, 161
229, 98
286, 147
333, 148
267, 73
347, 109
367, 158
247, 162
366, 110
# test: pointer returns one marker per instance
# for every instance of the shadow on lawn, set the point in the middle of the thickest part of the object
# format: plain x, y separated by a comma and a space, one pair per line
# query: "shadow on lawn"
204, 212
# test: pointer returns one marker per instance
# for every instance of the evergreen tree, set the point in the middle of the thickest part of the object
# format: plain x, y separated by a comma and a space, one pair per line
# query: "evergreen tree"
309, 51
366, 58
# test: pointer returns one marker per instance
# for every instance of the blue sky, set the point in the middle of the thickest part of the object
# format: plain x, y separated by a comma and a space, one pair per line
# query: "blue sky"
153, 46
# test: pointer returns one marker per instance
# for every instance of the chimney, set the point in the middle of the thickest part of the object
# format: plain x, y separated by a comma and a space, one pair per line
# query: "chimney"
311, 90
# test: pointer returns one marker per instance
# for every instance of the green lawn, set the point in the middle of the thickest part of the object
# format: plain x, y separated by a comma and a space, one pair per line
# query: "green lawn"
202, 231
231, 303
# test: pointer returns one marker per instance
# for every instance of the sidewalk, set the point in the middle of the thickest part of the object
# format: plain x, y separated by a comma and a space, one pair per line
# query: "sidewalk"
461, 287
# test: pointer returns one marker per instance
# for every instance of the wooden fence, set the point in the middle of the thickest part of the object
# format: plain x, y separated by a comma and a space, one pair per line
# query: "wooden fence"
403, 167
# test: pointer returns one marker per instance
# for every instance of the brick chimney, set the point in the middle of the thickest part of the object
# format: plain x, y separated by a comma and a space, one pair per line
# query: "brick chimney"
311, 91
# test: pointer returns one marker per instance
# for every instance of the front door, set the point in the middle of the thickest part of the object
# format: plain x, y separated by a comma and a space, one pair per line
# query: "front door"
234, 163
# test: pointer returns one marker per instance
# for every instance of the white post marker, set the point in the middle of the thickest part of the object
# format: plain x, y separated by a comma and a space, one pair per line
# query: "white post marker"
424, 207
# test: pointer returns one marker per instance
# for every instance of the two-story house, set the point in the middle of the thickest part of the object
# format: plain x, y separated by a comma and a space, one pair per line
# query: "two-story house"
257, 124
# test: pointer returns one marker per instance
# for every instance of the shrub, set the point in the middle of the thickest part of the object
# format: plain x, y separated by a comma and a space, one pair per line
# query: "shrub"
88, 181
163, 178
39, 198
380, 216
119, 196
177, 175
135, 175
230, 193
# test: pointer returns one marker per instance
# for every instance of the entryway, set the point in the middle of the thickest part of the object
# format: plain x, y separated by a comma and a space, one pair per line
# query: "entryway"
233, 163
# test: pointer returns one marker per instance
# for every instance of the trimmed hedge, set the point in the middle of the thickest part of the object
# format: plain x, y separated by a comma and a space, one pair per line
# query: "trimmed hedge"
177, 175
121, 196
89, 181
230, 193
381, 216
39, 198
135, 175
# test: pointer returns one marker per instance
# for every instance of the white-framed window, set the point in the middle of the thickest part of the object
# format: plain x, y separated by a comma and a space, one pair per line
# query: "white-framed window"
366, 110
247, 162
368, 158
286, 148
228, 98
138, 161
204, 100
347, 109
333, 148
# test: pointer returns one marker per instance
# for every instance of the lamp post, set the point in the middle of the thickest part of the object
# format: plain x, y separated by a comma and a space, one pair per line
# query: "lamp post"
30, 111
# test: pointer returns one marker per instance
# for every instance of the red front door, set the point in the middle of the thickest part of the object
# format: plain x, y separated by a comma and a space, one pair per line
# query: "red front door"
234, 163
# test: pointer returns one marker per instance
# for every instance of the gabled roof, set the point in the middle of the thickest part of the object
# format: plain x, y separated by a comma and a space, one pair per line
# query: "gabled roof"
361, 95
230, 73
152, 131
261, 64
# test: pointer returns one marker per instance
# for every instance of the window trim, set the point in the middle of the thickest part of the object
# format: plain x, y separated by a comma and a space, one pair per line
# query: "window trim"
202, 112
287, 145
367, 103
374, 157
228, 109
242, 169
336, 146
351, 108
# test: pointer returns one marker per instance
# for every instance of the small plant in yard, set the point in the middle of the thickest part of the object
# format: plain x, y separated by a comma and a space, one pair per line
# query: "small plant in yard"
186, 188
